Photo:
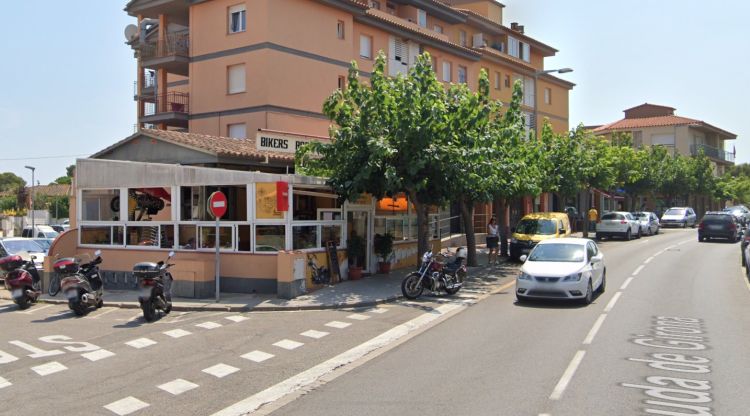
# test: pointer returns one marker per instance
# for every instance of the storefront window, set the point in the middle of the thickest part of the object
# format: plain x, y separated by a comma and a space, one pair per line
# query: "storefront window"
304, 236
330, 233
166, 236
149, 204
208, 237
141, 235
243, 238
310, 203
269, 237
101, 235
187, 237
100, 205
193, 200
265, 202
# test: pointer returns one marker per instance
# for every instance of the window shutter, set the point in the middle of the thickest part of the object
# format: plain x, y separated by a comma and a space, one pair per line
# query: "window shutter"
526, 52
238, 131
365, 46
513, 46
236, 79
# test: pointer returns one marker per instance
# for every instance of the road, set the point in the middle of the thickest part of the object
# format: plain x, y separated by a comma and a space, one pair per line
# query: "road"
478, 354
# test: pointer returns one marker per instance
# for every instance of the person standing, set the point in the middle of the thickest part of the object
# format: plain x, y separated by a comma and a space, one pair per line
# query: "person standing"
593, 218
492, 241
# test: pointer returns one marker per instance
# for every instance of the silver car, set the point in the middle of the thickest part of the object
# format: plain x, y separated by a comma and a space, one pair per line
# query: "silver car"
679, 217
618, 223
649, 222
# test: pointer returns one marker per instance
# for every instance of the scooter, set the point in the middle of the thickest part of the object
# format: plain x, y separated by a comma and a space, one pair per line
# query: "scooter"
155, 282
81, 283
21, 279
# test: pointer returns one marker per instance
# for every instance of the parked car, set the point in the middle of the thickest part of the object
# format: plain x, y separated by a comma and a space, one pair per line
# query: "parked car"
41, 231
564, 268
536, 227
716, 224
679, 217
17, 245
618, 223
46, 243
740, 212
649, 222
66, 225
58, 228
744, 242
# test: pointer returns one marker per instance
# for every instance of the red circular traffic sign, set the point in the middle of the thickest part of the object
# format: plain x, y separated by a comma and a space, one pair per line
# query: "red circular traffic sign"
217, 204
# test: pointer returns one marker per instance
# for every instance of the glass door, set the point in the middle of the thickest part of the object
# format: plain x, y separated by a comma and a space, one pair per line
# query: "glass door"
357, 224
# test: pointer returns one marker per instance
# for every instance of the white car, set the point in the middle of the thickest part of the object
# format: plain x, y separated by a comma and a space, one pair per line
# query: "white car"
22, 246
618, 223
679, 217
562, 268
649, 222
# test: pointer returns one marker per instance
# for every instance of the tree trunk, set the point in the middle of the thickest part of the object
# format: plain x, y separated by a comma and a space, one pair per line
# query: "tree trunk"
586, 207
467, 216
423, 241
504, 215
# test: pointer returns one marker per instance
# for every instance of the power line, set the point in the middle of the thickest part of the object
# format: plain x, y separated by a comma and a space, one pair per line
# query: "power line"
44, 157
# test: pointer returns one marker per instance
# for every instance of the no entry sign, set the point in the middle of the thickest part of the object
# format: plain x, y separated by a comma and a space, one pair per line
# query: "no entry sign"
217, 204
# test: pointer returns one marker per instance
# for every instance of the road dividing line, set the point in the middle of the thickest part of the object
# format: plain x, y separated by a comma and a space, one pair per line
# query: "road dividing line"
627, 282
595, 329
648, 260
638, 270
308, 378
612, 302
567, 376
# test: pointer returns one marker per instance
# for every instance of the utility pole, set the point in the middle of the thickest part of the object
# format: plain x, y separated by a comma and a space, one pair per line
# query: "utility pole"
33, 228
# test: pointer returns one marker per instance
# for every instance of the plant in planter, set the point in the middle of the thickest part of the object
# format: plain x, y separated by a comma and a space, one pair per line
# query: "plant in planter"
355, 251
384, 250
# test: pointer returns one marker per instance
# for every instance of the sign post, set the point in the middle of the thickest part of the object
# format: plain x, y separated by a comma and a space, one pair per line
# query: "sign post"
217, 207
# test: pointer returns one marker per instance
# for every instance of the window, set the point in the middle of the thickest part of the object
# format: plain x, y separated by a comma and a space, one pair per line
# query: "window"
462, 74
269, 237
237, 131
365, 46
462, 38
375, 4
102, 235
342, 82
421, 17
507, 81
305, 236
438, 28
193, 202
187, 237
144, 236
447, 69
237, 18
637, 139
309, 203
208, 237
340, 29
525, 52
514, 47
236, 79
100, 205
149, 204
547, 96
497, 80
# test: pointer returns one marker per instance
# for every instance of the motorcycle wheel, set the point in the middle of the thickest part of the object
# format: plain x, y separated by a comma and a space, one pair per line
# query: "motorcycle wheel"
77, 307
149, 311
54, 286
452, 291
100, 303
411, 287
23, 302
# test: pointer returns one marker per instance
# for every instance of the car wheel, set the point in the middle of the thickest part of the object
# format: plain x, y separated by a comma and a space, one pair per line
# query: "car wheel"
657, 230
521, 299
639, 233
603, 284
628, 236
589, 295
684, 224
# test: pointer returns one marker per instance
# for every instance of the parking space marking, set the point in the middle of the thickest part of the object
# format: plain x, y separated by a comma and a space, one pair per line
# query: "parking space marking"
49, 368
177, 387
126, 406
141, 343
612, 302
567, 376
98, 355
237, 318
358, 317
638, 270
592, 333
377, 310
338, 324
100, 314
35, 352
221, 370
314, 334
288, 344
257, 356
626, 283
209, 325
37, 309
4, 383
177, 333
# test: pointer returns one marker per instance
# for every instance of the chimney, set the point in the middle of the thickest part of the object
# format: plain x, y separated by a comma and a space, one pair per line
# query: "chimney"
516, 27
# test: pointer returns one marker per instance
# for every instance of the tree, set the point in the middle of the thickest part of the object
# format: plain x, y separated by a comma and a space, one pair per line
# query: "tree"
10, 181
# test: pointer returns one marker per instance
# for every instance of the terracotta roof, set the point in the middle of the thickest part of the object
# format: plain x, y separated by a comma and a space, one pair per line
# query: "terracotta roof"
661, 121
486, 50
48, 190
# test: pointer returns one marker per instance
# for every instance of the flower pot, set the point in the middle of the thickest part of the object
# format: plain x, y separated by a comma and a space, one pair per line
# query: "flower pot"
384, 267
355, 272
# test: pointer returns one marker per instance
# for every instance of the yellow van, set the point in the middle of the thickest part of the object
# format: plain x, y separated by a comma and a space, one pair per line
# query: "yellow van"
536, 227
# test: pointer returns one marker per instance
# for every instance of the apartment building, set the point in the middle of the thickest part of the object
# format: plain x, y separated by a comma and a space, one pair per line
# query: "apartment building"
252, 68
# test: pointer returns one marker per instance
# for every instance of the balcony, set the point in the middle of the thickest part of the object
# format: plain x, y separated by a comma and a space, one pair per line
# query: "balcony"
712, 152
171, 53
171, 109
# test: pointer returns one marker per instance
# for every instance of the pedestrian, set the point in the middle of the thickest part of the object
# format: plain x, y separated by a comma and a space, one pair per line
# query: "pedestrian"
492, 240
593, 217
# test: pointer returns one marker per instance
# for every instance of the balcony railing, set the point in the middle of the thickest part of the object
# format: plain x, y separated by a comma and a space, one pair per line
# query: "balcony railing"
175, 44
170, 102
713, 152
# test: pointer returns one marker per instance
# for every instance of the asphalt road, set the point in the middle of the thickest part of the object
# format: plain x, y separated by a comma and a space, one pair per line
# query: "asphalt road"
672, 340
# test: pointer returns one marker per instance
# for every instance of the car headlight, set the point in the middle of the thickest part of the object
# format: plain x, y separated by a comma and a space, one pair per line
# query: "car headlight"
575, 277
524, 276
514, 241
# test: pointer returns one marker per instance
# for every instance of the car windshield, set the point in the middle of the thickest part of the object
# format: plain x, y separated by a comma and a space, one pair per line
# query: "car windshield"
17, 246
531, 226
675, 211
45, 243
641, 215
568, 253
50, 234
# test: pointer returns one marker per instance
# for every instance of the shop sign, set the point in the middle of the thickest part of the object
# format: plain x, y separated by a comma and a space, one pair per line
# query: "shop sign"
274, 142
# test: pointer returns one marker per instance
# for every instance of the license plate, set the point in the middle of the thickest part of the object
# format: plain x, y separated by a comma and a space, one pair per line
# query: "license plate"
146, 292
715, 227
71, 294
16, 293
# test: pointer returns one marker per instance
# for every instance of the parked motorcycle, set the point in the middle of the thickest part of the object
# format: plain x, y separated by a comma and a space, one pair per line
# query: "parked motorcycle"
21, 279
436, 273
81, 283
155, 282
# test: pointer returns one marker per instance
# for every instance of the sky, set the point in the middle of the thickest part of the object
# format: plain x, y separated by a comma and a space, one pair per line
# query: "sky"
68, 78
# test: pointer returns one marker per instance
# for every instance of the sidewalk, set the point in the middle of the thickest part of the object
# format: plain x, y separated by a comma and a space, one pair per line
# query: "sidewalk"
369, 291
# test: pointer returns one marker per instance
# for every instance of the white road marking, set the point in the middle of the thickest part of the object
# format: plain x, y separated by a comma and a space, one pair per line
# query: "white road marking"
314, 334
338, 324
6, 358
35, 352
32, 310
257, 356
645, 241
130, 319
358, 317
49, 368
612, 302
626, 283
237, 318
567, 376
126, 406
288, 344
221, 370
648, 260
312, 376
177, 387
594, 329
4, 383
177, 333
209, 325
98, 355
377, 310
638, 270
99, 315
141, 343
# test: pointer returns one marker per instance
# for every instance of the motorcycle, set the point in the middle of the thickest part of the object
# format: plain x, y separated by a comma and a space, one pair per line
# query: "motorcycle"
81, 283
436, 274
155, 282
21, 279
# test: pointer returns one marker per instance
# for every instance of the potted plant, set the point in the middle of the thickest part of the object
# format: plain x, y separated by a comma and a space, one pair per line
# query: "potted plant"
355, 251
384, 250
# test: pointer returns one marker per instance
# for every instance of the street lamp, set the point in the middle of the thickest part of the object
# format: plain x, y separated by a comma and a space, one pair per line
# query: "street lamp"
33, 228
536, 90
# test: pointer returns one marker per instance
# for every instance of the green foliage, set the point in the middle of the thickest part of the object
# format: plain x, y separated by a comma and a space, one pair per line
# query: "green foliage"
63, 180
8, 203
383, 246
10, 181
355, 250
